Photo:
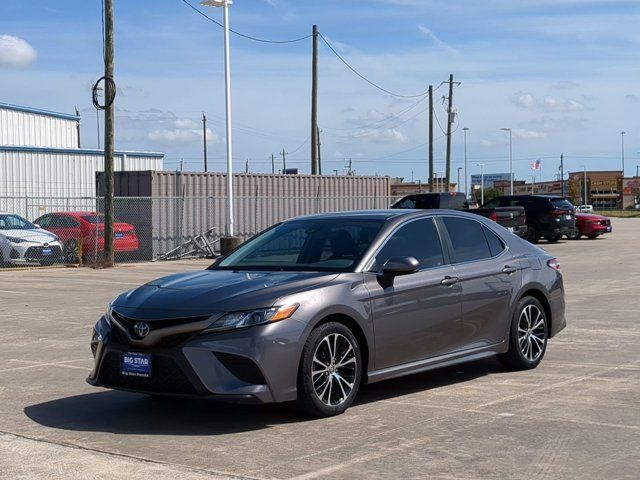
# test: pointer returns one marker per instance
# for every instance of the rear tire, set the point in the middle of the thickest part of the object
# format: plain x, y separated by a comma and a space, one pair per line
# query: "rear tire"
527, 336
574, 234
592, 237
553, 239
330, 371
533, 235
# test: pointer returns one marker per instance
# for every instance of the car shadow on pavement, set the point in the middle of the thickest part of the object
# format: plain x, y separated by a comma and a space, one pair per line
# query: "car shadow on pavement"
131, 413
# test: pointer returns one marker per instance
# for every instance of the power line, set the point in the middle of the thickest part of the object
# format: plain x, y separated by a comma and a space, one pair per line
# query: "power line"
373, 84
243, 35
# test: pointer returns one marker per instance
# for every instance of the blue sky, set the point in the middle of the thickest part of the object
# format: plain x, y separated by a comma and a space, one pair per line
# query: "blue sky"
563, 74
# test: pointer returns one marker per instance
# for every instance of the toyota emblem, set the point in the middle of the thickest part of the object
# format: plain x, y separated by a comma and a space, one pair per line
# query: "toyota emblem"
141, 329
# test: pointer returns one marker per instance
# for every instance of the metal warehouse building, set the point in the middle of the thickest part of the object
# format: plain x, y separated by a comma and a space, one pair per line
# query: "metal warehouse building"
40, 157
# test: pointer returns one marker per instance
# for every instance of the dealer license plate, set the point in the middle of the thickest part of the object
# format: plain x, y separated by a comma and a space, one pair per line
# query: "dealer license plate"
136, 364
119, 235
47, 251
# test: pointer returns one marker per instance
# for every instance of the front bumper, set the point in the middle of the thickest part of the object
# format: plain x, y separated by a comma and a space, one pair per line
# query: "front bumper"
30, 252
256, 364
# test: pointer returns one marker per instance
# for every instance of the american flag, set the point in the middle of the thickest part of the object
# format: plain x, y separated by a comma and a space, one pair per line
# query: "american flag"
535, 165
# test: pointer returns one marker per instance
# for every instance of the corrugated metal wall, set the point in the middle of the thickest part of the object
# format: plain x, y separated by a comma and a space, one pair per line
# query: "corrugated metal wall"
64, 173
29, 129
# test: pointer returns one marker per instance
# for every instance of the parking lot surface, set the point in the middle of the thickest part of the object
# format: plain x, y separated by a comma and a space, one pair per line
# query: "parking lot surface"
575, 416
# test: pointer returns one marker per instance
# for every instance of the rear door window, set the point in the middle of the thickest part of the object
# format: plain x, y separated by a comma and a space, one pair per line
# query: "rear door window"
408, 202
562, 204
429, 201
496, 246
467, 239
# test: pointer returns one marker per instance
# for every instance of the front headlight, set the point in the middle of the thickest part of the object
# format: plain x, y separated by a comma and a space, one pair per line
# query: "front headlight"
252, 317
16, 240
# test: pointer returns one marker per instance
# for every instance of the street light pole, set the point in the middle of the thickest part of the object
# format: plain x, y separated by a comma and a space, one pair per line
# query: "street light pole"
622, 134
466, 190
458, 184
584, 169
230, 242
510, 159
481, 165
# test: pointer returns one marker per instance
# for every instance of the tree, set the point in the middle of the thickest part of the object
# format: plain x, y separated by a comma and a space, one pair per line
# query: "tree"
489, 194
575, 193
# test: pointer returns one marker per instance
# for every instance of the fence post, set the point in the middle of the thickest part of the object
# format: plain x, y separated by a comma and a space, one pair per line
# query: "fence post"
255, 216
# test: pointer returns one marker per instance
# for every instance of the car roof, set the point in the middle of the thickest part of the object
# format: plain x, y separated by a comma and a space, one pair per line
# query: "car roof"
384, 215
75, 214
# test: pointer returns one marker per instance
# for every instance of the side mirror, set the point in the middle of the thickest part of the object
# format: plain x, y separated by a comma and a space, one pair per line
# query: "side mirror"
396, 266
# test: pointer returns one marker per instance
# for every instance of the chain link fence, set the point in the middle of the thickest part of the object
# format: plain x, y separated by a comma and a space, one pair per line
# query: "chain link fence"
70, 231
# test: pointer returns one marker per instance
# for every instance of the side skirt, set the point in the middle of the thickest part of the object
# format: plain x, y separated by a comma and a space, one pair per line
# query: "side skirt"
437, 362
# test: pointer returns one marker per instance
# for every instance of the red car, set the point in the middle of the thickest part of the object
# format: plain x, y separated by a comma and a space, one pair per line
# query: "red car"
590, 225
87, 229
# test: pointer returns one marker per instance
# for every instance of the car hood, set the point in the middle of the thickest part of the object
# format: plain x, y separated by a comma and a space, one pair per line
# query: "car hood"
35, 235
213, 291
591, 216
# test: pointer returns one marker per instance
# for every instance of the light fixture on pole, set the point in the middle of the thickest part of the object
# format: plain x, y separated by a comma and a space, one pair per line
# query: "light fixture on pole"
466, 190
481, 183
510, 159
232, 241
584, 169
622, 134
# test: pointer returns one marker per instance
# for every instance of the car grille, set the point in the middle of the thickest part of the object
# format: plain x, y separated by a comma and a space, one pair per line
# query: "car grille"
36, 253
241, 368
169, 341
166, 376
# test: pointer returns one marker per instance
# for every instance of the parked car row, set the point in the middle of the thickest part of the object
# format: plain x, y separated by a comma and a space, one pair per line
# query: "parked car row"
532, 217
61, 237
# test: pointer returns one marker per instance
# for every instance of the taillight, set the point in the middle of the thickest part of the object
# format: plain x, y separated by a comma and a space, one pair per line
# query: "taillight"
493, 216
554, 263
558, 213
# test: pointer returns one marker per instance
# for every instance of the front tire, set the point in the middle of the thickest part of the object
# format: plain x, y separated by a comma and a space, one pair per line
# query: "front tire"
574, 234
330, 371
528, 336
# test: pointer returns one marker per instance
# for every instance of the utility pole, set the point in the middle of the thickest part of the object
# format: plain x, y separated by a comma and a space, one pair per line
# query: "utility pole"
284, 160
622, 134
466, 190
108, 134
319, 156
431, 138
449, 124
204, 138
273, 164
246, 166
314, 103
78, 125
562, 174
458, 184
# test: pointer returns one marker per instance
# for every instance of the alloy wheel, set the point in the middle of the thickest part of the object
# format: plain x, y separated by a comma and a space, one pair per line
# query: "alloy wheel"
334, 369
531, 332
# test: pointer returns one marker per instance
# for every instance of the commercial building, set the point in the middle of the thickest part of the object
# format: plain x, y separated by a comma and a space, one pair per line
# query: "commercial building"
41, 159
603, 188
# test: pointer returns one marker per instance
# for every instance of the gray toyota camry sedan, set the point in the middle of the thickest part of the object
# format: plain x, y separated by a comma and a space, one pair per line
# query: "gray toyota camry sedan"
314, 307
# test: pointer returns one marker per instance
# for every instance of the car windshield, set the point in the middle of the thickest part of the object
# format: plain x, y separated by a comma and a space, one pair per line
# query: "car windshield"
15, 222
562, 203
328, 244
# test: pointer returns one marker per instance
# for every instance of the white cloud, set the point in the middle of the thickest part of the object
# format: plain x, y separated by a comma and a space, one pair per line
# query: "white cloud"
179, 136
548, 103
528, 134
16, 52
632, 98
434, 38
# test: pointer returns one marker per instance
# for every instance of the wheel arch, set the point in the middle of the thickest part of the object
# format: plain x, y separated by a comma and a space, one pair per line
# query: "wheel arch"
539, 295
357, 331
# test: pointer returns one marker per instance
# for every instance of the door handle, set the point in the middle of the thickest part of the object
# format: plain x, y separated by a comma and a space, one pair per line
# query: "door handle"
509, 270
449, 281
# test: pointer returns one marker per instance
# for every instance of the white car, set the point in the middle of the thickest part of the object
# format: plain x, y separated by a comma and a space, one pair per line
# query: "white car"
584, 209
23, 242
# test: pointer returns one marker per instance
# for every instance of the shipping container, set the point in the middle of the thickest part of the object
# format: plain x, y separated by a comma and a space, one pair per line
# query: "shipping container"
170, 208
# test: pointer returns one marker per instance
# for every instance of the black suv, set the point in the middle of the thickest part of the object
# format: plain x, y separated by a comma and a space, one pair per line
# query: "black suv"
548, 216
427, 201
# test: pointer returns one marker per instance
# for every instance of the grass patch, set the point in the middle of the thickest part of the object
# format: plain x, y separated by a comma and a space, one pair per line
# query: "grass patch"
620, 213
